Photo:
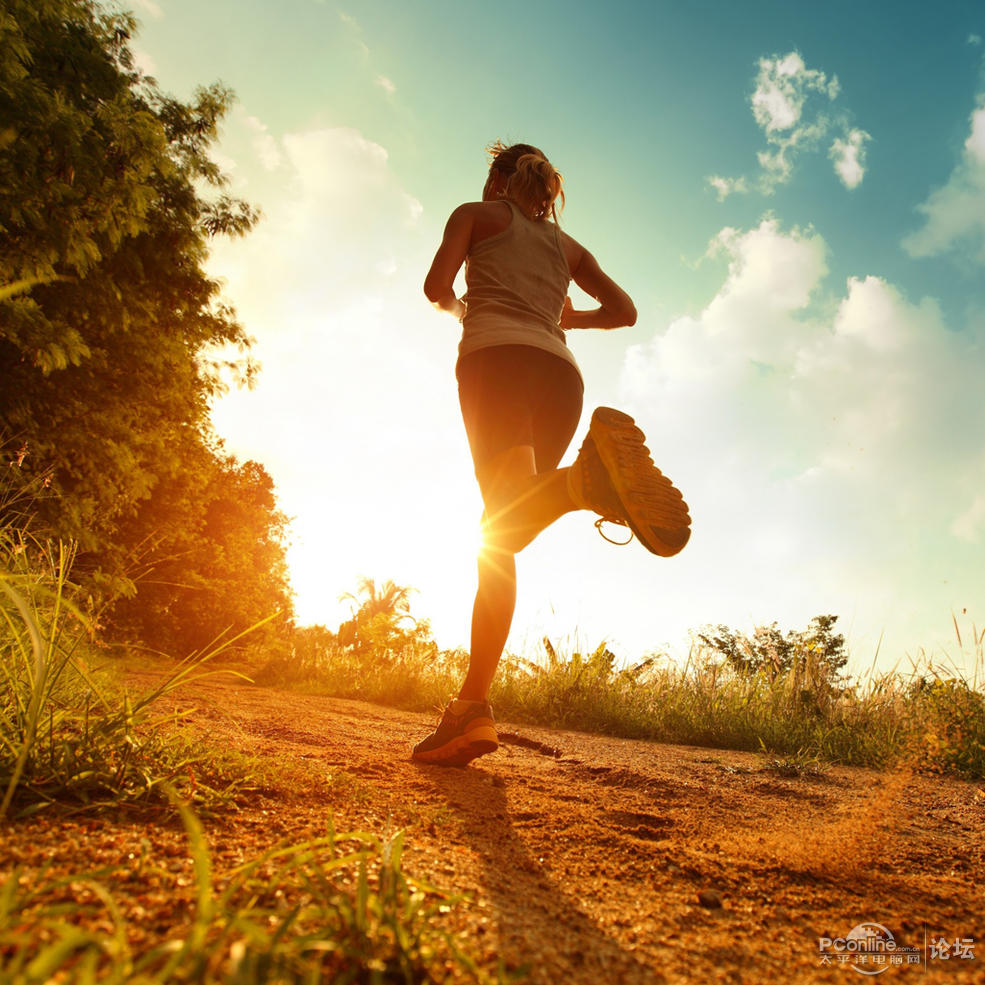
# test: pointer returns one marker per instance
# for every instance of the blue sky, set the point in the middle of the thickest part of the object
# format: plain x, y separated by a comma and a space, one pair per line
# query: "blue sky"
793, 193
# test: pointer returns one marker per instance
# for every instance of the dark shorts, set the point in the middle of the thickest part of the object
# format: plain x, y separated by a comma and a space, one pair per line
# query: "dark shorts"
519, 395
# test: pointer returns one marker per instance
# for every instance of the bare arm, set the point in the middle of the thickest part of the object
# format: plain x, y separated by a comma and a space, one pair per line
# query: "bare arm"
439, 285
616, 308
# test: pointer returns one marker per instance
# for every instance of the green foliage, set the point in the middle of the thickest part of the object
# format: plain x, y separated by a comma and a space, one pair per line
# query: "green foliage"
416, 675
113, 339
376, 622
77, 141
582, 691
336, 909
801, 716
818, 649
381, 653
949, 719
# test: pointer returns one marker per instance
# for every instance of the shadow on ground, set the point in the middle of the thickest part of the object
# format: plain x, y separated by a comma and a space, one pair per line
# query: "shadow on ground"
541, 927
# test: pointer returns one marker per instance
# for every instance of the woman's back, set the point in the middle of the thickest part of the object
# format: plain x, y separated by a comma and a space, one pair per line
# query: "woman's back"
517, 278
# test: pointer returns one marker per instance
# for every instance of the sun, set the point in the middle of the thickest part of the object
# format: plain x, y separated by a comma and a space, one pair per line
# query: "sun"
428, 540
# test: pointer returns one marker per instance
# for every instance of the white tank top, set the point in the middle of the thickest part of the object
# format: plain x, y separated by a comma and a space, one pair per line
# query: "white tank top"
517, 281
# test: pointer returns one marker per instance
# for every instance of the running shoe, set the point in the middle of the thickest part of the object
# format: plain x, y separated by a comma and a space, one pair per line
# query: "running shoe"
466, 730
614, 475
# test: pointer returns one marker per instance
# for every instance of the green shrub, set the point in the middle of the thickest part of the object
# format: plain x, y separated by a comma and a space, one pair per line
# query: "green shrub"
949, 719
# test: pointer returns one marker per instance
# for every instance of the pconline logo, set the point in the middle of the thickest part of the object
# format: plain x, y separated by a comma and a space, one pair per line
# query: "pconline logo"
869, 948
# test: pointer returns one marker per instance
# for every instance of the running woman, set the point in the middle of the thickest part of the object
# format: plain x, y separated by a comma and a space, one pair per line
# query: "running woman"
521, 392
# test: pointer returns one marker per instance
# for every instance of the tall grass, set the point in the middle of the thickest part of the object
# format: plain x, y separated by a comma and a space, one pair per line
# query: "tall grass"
932, 717
416, 676
66, 731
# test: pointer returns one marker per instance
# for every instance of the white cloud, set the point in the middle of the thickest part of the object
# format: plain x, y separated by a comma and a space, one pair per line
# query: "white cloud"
267, 151
955, 213
975, 39
356, 30
975, 144
849, 157
768, 271
782, 88
970, 524
791, 105
150, 8
727, 186
143, 61
832, 455
386, 84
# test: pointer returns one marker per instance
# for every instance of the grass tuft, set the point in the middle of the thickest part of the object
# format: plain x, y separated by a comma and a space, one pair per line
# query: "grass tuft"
340, 908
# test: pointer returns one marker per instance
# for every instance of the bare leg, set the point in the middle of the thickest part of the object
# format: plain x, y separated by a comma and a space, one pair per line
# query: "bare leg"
492, 615
519, 505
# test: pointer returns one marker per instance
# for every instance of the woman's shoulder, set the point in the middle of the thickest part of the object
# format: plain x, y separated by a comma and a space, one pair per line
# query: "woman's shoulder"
476, 209
485, 218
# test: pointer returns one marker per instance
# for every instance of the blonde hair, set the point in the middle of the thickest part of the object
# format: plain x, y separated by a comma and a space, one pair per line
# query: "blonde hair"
531, 180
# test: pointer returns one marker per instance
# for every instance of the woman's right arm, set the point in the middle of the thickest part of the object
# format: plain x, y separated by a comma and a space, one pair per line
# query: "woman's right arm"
439, 285
616, 308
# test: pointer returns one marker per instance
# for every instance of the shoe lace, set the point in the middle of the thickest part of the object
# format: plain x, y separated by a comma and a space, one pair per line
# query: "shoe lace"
617, 522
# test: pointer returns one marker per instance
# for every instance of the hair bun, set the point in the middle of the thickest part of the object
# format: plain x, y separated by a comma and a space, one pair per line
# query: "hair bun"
532, 181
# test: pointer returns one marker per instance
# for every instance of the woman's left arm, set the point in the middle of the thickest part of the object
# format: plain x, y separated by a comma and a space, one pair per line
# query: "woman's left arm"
439, 285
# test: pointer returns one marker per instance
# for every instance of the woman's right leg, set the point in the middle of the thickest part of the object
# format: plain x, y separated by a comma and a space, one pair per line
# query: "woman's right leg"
492, 616
519, 504
467, 729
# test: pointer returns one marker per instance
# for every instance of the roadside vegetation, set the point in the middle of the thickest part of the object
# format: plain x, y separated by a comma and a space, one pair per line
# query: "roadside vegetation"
786, 694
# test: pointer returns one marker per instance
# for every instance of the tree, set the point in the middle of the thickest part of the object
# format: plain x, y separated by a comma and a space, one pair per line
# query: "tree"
100, 212
113, 339
376, 620
773, 654
211, 557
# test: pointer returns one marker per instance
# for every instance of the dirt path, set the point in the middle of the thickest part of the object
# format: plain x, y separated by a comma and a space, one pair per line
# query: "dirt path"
597, 860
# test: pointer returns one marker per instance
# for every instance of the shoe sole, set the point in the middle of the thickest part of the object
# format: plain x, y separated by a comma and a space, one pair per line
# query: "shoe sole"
652, 506
461, 750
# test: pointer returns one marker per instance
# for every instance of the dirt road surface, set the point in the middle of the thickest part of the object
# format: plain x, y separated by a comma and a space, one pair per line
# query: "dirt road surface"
599, 860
